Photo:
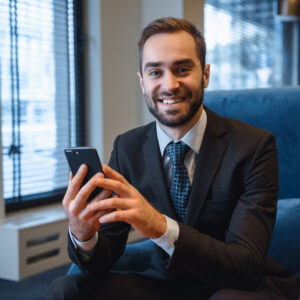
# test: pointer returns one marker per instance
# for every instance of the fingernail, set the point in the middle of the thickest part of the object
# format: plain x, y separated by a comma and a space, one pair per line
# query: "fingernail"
98, 175
102, 219
82, 167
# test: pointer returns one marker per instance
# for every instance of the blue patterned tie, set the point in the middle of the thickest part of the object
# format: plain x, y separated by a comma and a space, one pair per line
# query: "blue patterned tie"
180, 186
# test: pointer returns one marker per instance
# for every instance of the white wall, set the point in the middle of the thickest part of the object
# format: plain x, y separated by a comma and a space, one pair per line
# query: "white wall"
120, 24
114, 102
112, 98
93, 74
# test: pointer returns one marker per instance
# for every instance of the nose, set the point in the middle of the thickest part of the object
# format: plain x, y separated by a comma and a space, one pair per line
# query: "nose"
170, 82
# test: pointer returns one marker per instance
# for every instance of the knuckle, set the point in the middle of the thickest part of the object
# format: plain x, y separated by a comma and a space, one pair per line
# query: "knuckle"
72, 211
90, 207
64, 202
84, 218
119, 185
72, 184
65, 206
105, 181
135, 203
79, 197
77, 179
92, 182
111, 201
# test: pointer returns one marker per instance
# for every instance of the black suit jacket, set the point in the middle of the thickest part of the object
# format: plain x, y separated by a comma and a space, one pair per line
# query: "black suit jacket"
224, 240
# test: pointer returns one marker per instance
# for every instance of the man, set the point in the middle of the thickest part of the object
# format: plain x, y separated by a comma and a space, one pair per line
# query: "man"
203, 188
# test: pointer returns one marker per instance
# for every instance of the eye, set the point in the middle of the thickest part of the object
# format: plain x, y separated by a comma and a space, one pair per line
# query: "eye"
183, 70
154, 73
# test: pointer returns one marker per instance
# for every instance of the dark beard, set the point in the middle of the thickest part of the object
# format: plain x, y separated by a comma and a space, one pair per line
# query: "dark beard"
179, 121
194, 107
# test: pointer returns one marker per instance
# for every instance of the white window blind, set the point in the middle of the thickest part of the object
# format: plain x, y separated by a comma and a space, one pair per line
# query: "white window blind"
38, 97
244, 44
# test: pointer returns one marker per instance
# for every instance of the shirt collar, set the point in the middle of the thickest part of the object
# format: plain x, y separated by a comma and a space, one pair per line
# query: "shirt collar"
193, 138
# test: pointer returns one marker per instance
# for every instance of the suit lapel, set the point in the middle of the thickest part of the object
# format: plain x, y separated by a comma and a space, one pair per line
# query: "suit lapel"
155, 172
209, 158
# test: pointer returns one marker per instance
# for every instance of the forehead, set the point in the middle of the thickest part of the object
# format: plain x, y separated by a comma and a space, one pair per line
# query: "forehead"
169, 47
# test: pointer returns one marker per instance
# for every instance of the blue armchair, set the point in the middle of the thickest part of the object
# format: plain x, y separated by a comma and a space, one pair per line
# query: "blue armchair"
278, 111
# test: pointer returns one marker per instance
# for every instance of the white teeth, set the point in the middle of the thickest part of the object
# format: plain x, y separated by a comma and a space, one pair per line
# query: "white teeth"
171, 101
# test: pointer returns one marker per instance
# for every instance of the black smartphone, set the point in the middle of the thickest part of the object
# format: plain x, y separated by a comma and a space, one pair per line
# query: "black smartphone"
77, 156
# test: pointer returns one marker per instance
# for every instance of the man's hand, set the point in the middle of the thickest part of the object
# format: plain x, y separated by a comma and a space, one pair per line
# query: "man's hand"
130, 207
83, 222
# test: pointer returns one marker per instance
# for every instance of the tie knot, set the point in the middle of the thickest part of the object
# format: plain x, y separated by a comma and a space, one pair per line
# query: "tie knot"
177, 152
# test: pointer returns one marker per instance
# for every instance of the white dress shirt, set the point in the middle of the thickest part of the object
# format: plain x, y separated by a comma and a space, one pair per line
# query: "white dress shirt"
193, 138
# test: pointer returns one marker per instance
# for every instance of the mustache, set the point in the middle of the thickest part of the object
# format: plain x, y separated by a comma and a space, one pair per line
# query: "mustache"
183, 94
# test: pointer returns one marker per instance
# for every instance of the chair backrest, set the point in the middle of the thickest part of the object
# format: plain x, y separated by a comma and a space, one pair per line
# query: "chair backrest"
276, 110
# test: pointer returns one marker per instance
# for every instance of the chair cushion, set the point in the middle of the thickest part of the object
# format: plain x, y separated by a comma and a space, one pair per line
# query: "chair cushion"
285, 244
276, 110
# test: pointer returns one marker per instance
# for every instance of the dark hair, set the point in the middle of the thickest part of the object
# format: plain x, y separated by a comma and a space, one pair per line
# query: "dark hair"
169, 25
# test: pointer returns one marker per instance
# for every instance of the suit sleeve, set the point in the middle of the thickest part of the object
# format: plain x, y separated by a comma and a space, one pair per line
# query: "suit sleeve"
237, 262
112, 238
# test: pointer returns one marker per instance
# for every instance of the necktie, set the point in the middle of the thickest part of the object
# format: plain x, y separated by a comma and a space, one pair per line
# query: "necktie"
180, 185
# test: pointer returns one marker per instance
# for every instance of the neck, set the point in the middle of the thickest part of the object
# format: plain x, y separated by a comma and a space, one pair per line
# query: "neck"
178, 132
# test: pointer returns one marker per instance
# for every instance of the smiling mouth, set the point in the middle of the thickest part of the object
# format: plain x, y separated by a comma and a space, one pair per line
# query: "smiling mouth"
171, 101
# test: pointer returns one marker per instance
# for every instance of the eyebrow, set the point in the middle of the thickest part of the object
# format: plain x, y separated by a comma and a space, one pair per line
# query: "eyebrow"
186, 61
152, 65
176, 63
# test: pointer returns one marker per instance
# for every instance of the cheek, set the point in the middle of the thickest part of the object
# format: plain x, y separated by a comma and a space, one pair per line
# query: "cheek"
150, 88
195, 87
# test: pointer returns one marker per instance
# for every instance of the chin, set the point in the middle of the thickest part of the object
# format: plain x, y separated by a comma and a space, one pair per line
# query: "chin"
175, 121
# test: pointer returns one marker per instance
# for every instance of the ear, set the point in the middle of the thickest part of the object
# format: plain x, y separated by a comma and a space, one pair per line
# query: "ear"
206, 75
141, 81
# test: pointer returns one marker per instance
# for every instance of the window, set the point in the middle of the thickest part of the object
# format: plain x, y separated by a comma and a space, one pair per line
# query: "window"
40, 105
245, 44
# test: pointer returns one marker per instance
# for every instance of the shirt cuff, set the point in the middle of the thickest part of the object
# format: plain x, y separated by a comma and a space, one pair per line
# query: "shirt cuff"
85, 248
168, 239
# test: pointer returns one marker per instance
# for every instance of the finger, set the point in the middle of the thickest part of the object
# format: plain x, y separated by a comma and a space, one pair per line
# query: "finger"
84, 193
75, 183
113, 185
70, 177
112, 203
112, 174
96, 217
104, 194
87, 213
116, 216
91, 216
67, 199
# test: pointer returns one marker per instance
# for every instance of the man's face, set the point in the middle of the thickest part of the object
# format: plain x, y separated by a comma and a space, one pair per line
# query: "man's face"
172, 79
